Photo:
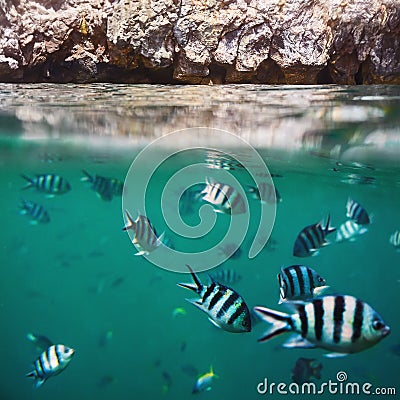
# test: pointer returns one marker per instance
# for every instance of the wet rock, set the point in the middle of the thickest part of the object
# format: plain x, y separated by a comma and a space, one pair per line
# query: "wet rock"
200, 41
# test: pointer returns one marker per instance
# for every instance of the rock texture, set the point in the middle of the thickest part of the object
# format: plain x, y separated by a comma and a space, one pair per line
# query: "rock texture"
200, 41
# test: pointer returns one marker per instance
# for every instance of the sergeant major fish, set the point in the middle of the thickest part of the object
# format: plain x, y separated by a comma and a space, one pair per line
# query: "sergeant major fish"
203, 382
225, 308
342, 324
225, 198
48, 183
349, 230
100, 184
311, 238
357, 212
145, 236
35, 212
50, 363
265, 192
299, 282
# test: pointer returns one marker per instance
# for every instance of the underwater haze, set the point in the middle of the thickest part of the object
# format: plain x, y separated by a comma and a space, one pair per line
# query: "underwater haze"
76, 280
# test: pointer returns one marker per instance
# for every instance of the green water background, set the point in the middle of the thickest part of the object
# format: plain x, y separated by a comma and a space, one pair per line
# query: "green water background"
57, 280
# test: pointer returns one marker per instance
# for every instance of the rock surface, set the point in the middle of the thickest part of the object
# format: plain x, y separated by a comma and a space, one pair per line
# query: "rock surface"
200, 41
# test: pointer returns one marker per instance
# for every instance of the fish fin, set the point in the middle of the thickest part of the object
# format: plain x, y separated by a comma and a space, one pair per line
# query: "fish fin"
335, 355
31, 375
33, 222
328, 228
131, 223
213, 322
29, 180
314, 252
362, 231
190, 286
87, 177
39, 382
49, 196
160, 239
142, 253
31, 337
197, 303
319, 290
296, 341
281, 322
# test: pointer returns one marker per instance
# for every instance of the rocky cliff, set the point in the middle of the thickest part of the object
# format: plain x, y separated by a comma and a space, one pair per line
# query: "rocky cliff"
200, 41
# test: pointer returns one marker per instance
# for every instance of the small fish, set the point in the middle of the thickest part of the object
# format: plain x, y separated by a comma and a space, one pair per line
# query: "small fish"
117, 282
311, 238
226, 276
167, 381
41, 342
225, 308
204, 382
145, 236
51, 362
299, 282
349, 230
190, 370
35, 212
305, 369
231, 250
265, 192
357, 179
48, 183
105, 381
342, 324
395, 239
225, 198
100, 185
178, 311
357, 212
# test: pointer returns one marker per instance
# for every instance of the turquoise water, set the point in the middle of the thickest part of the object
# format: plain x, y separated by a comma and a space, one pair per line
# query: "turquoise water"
76, 278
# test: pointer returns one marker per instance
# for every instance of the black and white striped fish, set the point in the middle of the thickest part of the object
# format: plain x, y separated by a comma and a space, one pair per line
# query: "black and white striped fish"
35, 212
311, 238
298, 282
342, 324
395, 239
51, 362
104, 187
349, 230
226, 276
145, 236
357, 212
265, 192
225, 198
225, 308
48, 183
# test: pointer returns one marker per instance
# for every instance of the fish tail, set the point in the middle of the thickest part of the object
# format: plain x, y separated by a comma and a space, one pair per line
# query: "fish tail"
328, 228
281, 322
29, 180
196, 286
87, 177
131, 222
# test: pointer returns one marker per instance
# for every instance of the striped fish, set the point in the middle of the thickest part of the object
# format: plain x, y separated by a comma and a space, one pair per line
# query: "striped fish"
35, 212
299, 282
357, 212
99, 184
145, 236
395, 239
311, 238
226, 276
349, 230
48, 183
224, 197
342, 324
225, 308
265, 192
51, 362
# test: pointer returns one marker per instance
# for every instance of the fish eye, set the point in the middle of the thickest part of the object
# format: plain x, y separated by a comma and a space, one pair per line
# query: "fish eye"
377, 324
321, 279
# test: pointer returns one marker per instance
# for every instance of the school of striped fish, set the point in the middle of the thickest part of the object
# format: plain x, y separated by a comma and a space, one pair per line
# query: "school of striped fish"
338, 323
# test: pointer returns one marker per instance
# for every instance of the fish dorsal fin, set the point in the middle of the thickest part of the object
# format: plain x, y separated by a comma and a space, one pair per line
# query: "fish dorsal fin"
131, 223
